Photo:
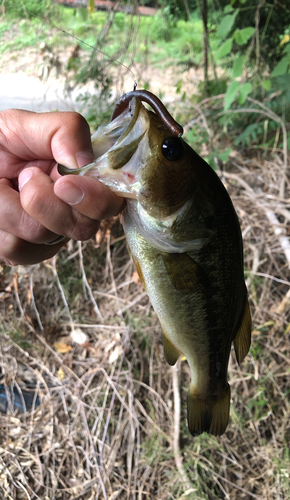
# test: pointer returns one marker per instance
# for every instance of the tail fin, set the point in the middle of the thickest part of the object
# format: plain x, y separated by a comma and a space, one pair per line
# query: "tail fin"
208, 415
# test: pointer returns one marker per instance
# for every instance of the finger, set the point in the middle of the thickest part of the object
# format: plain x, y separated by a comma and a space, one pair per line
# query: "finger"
14, 220
6, 182
63, 136
39, 201
15, 251
88, 196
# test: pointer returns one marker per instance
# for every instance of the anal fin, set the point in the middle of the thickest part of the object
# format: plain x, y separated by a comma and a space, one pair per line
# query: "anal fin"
242, 340
210, 414
171, 352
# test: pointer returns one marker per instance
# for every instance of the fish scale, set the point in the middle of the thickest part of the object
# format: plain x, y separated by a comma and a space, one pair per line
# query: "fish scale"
185, 240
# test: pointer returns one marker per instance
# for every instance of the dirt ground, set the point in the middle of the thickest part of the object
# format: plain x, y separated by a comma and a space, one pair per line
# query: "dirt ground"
79, 332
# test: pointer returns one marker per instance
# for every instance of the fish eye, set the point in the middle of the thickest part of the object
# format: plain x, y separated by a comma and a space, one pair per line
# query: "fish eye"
172, 148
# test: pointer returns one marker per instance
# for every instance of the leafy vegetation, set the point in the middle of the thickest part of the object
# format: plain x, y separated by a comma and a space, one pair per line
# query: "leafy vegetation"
107, 425
270, 19
257, 64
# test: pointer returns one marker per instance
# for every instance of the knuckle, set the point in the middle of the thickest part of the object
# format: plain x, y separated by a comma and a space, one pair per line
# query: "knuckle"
10, 248
34, 232
83, 228
76, 122
8, 243
33, 201
32, 208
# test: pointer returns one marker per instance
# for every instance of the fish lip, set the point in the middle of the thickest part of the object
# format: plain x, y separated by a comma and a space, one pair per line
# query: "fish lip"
114, 147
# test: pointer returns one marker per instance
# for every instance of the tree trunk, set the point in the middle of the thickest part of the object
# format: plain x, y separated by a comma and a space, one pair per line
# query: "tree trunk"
205, 45
186, 9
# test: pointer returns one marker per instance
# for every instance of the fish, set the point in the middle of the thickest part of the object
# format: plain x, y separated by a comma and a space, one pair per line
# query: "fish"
185, 240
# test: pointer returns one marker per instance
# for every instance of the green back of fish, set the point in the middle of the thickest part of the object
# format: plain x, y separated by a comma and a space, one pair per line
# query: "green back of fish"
200, 294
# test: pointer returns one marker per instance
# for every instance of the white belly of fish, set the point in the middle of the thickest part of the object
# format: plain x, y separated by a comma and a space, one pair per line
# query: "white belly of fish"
179, 314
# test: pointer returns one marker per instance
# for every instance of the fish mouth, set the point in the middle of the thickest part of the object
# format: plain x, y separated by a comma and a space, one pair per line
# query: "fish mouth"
118, 148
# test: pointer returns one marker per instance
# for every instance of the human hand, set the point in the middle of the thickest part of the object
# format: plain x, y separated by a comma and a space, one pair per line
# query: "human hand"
37, 204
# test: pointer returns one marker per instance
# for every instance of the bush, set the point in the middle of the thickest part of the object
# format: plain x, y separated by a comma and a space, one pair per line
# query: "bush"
274, 22
27, 8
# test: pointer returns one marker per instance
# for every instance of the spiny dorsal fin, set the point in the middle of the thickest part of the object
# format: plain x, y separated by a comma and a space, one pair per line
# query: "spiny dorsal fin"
242, 340
208, 415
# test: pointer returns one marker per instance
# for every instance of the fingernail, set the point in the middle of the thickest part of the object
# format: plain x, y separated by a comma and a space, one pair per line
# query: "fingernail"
69, 192
84, 158
24, 177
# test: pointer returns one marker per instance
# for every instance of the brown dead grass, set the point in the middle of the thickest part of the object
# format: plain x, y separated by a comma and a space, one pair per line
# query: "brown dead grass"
112, 421
106, 427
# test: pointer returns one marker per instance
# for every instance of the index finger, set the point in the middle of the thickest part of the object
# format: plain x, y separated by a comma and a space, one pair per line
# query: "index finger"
26, 136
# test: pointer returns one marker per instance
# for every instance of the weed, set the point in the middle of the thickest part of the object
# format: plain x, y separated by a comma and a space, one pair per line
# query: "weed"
105, 426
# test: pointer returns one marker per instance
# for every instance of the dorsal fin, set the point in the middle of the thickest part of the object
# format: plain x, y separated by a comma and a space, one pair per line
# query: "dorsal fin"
242, 340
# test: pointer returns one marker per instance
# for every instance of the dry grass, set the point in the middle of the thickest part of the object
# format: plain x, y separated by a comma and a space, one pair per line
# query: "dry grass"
108, 424
112, 421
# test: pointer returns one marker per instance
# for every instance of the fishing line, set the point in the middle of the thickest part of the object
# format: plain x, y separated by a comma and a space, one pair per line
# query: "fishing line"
85, 43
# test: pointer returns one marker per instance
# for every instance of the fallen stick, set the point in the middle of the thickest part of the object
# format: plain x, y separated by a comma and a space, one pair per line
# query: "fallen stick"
279, 231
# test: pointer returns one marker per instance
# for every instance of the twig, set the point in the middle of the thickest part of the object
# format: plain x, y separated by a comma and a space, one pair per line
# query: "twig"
33, 300
279, 120
55, 273
279, 230
178, 458
86, 284
270, 114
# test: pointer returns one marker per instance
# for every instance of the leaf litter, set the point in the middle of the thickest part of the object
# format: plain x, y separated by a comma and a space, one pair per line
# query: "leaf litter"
112, 419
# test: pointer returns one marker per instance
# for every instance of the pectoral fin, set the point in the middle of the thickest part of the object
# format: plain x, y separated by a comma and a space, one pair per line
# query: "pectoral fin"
139, 271
210, 414
242, 340
171, 352
184, 272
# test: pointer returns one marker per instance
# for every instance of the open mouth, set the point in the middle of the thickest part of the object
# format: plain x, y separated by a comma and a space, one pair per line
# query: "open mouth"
118, 149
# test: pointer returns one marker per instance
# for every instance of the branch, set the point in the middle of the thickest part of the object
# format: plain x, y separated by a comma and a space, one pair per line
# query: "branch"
178, 458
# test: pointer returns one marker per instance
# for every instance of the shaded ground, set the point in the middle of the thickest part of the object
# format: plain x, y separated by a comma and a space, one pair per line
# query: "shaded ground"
29, 81
106, 427
79, 331
27, 92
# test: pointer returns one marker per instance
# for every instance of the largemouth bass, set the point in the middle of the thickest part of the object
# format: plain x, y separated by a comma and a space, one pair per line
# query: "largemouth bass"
185, 239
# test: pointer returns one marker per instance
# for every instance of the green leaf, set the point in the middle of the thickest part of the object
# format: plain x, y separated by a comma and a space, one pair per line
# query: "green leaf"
228, 8
225, 48
249, 133
238, 66
266, 84
242, 36
231, 93
225, 155
281, 67
83, 13
178, 86
227, 24
244, 90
